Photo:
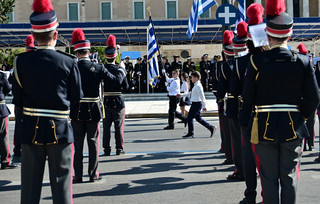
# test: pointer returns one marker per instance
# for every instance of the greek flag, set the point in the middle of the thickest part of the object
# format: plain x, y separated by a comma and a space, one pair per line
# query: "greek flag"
153, 73
242, 12
198, 8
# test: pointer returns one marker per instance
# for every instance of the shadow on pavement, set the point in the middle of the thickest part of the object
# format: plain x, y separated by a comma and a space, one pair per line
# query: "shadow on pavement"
149, 186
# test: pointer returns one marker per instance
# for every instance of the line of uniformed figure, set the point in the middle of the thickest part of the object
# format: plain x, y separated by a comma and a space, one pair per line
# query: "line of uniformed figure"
267, 97
137, 74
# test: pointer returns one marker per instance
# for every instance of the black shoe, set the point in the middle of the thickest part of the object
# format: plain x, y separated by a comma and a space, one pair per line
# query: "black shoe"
235, 177
221, 151
107, 152
77, 180
8, 166
317, 160
188, 136
169, 127
212, 130
95, 179
226, 162
120, 152
246, 201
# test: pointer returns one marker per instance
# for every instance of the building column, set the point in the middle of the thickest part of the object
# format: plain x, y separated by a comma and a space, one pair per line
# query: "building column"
290, 7
258, 1
305, 8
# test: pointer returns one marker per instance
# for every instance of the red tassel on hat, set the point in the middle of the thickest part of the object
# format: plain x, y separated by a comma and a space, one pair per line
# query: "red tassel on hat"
275, 7
42, 6
242, 29
255, 13
77, 35
302, 48
30, 41
227, 37
111, 42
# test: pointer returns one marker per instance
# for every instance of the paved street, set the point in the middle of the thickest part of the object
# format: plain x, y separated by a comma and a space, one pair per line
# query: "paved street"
161, 167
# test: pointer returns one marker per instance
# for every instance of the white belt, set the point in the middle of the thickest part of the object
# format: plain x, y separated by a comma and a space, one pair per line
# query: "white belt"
89, 100
46, 112
112, 93
277, 108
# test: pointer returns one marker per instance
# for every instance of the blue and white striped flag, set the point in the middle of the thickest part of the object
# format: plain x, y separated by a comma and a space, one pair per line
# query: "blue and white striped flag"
152, 56
242, 12
198, 8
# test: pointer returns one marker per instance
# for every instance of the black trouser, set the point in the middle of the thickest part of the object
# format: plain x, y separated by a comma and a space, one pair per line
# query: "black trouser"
17, 131
60, 172
249, 165
310, 126
117, 117
195, 112
80, 130
173, 101
4, 142
221, 129
279, 167
236, 145
227, 136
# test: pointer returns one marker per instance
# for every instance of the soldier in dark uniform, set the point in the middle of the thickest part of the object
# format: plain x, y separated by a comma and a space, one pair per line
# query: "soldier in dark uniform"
282, 87
86, 121
228, 55
5, 88
223, 120
138, 67
311, 120
189, 66
113, 99
176, 64
164, 66
19, 111
231, 106
205, 69
144, 73
47, 86
255, 12
317, 73
129, 70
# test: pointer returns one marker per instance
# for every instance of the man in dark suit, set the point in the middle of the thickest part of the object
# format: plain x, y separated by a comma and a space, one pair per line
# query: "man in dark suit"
176, 64
86, 121
205, 69
189, 66
281, 85
5, 88
47, 86
129, 70
115, 78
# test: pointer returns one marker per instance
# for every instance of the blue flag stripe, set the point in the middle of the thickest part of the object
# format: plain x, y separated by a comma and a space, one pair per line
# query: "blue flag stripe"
198, 7
152, 57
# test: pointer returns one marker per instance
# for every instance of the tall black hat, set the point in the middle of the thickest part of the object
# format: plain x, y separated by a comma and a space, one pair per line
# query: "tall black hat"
44, 18
227, 43
279, 23
79, 41
240, 42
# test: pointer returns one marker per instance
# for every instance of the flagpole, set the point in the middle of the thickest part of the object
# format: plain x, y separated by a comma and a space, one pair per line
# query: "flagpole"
147, 60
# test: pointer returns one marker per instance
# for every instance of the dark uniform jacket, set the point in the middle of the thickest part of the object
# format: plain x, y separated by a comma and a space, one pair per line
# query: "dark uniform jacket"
46, 80
187, 68
129, 70
317, 73
280, 77
237, 85
90, 106
215, 82
5, 88
231, 104
205, 65
114, 77
175, 65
